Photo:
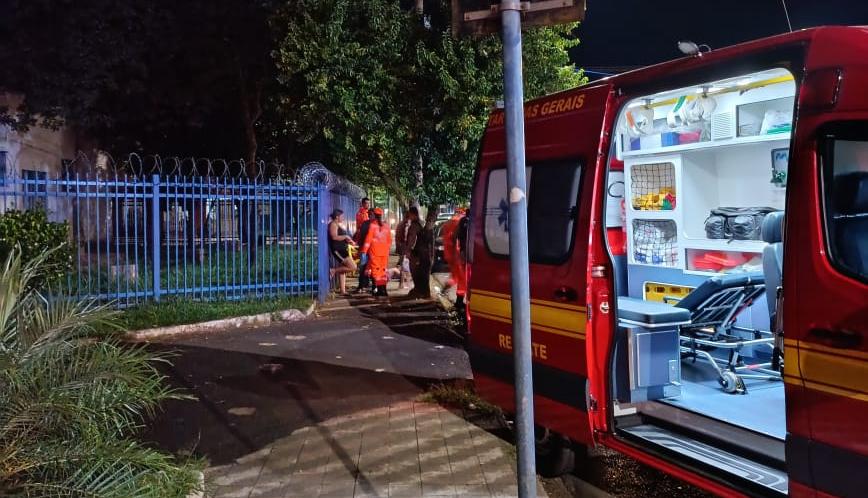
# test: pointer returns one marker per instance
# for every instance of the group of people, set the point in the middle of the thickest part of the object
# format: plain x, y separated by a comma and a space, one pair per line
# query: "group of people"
414, 244
373, 237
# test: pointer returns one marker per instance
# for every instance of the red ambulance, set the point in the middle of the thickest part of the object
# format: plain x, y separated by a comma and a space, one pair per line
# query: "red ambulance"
698, 236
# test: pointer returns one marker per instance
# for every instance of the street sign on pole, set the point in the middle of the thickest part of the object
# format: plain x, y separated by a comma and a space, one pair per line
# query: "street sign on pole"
483, 17
476, 18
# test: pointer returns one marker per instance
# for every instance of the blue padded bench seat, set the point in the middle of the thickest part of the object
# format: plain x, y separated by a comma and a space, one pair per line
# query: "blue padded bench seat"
650, 314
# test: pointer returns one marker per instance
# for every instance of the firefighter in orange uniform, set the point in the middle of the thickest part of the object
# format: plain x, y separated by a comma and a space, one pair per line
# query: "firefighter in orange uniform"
377, 245
361, 217
453, 253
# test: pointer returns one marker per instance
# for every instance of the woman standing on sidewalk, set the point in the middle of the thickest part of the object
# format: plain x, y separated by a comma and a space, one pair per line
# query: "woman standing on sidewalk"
339, 246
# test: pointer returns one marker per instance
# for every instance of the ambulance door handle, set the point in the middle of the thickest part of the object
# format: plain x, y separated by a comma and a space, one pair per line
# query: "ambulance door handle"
841, 339
564, 294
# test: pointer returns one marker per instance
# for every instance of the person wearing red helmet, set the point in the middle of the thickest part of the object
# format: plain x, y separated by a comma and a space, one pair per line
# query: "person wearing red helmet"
377, 244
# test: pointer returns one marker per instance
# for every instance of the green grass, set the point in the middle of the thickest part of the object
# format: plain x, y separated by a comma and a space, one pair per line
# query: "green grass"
220, 267
182, 312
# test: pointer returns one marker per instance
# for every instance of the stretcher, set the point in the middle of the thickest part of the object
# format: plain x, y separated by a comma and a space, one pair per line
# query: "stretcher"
714, 308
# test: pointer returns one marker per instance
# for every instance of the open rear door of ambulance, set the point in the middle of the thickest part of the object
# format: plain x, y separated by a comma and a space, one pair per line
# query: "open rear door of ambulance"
822, 305
825, 283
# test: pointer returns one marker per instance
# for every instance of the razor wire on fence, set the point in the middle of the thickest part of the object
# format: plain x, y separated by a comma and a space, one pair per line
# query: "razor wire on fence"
150, 228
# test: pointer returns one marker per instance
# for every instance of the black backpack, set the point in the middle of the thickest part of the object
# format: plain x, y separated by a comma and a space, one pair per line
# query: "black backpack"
736, 223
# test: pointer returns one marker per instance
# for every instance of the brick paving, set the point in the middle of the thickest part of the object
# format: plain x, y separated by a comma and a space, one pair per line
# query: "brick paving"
405, 450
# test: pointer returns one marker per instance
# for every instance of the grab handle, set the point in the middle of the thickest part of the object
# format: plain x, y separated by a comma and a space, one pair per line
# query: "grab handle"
837, 338
564, 294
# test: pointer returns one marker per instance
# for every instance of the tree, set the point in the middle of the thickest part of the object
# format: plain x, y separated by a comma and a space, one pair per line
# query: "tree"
382, 86
178, 78
339, 64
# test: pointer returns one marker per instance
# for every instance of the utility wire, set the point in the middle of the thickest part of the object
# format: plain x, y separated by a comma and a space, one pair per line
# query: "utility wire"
787, 14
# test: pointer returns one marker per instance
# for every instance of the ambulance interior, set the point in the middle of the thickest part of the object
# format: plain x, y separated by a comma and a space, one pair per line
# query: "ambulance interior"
694, 211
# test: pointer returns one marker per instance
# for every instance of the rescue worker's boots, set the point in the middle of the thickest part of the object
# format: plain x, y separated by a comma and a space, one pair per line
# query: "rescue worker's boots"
381, 291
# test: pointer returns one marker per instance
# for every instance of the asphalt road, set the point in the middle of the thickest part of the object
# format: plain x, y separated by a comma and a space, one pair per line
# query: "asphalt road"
253, 386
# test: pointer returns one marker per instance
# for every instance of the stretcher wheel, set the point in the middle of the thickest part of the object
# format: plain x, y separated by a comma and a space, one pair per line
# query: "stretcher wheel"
731, 382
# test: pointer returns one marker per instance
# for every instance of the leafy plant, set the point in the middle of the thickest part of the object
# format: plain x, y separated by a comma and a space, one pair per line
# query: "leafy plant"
71, 399
393, 98
33, 233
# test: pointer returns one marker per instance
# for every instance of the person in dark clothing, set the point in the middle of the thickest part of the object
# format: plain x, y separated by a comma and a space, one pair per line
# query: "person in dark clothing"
419, 248
400, 242
365, 282
339, 242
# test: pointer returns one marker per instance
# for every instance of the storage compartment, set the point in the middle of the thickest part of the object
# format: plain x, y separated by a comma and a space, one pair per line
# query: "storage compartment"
655, 361
654, 242
771, 116
652, 187
716, 261
648, 350
738, 177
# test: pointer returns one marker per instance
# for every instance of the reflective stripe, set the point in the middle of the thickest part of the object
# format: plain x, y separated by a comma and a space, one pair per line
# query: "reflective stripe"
836, 371
546, 316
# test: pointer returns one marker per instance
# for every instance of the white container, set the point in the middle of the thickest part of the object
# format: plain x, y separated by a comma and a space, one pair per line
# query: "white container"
654, 141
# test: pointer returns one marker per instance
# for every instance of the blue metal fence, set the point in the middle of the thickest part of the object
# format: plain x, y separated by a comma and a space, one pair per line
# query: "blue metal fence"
139, 239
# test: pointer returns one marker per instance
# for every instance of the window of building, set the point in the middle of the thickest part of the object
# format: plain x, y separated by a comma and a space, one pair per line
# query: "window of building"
553, 190
35, 186
845, 185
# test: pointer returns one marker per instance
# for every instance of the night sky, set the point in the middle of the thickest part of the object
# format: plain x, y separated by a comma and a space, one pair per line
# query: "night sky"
623, 34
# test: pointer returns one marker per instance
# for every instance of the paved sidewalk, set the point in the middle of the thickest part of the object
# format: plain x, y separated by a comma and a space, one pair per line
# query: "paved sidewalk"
405, 450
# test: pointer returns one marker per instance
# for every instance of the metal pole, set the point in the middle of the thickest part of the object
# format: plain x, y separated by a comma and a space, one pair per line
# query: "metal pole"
155, 233
324, 210
518, 260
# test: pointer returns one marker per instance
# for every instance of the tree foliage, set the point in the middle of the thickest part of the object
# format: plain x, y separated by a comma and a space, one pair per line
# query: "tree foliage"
30, 232
163, 76
340, 66
387, 88
366, 86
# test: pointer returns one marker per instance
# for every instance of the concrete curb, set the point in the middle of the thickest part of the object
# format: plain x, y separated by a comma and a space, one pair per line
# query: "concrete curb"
290, 315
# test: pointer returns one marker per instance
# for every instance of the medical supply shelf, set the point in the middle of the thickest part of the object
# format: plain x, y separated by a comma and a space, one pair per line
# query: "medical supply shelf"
709, 144
704, 179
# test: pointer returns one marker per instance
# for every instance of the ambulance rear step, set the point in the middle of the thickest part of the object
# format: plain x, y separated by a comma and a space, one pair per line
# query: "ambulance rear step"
759, 478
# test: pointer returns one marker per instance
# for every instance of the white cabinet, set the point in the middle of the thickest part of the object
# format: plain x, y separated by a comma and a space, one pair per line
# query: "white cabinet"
653, 210
669, 197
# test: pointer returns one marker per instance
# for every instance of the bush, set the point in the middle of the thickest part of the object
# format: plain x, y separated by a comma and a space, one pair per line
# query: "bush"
34, 234
71, 400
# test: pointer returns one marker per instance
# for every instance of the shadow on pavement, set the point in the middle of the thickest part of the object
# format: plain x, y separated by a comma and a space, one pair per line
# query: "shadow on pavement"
244, 401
